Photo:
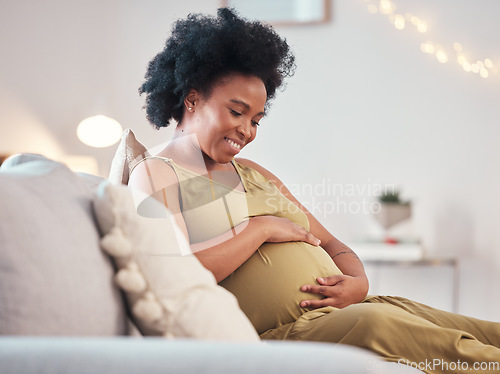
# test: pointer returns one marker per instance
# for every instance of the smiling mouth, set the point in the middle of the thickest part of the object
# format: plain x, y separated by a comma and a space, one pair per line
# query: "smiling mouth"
235, 145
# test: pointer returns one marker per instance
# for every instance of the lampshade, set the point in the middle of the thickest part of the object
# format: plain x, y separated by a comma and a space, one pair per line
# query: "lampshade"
99, 131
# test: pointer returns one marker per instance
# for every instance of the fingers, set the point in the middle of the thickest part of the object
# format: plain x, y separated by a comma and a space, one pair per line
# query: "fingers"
306, 236
311, 239
283, 230
336, 291
330, 281
318, 290
314, 303
325, 291
324, 286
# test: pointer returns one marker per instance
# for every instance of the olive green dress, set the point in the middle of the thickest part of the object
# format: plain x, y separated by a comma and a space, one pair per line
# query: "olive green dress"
267, 286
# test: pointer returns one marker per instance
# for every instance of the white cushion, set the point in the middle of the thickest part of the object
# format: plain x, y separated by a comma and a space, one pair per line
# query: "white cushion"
170, 294
129, 152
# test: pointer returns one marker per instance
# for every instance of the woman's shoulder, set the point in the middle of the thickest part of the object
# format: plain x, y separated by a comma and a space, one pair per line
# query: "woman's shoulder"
151, 163
249, 164
260, 169
152, 170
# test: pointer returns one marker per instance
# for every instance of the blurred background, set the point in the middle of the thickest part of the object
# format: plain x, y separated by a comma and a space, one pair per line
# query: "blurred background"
400, 94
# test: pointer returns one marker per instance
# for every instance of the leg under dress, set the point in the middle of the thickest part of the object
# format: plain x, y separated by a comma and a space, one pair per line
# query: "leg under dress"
401, 330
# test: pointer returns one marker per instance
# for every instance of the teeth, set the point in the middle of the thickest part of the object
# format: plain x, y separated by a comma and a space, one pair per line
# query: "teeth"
236, 145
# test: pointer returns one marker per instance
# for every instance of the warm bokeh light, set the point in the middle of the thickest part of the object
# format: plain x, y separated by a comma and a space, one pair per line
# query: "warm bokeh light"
427, 47
422, 26
441, 56
386, 7
99, 131
484, 67
399, 22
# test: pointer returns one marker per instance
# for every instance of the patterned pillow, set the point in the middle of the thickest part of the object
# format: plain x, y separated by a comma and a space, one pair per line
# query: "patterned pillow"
128, 153
169, 293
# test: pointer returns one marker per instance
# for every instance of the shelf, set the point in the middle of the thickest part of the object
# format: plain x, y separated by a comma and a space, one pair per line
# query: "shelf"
403, 269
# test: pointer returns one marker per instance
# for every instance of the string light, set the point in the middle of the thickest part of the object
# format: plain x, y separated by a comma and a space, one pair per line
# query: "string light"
399, 22
484, 68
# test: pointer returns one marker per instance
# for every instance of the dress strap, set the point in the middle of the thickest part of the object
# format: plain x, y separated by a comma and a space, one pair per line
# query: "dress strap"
165, 159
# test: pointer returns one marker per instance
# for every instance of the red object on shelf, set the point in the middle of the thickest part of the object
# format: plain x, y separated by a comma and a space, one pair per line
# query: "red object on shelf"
391, 241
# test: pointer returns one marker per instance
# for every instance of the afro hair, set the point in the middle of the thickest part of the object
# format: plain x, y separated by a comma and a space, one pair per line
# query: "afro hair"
203, 49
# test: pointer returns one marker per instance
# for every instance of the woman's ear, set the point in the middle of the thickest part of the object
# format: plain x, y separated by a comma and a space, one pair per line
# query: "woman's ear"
190, 100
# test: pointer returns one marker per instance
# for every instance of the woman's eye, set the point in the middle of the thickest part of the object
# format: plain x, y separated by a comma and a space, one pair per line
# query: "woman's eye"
234, 113
254, 123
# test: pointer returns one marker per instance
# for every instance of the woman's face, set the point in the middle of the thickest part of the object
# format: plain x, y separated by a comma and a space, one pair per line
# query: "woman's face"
227, 120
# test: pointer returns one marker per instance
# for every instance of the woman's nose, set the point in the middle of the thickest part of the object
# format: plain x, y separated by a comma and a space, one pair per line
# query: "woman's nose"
245, 129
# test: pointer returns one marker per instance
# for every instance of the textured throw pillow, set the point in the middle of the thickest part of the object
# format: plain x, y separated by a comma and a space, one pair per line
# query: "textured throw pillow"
170, 293
128, 153
54, 278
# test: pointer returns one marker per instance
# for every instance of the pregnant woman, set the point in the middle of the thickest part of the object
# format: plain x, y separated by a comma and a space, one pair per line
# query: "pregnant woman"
293, 279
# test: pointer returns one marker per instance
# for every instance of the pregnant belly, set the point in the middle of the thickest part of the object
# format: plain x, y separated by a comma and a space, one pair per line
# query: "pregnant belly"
267, 285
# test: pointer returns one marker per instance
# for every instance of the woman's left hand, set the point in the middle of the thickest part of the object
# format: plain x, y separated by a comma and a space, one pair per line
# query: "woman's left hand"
338, 290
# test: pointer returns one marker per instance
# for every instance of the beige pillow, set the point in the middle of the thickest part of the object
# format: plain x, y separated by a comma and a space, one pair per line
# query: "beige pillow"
128, 153
169, 294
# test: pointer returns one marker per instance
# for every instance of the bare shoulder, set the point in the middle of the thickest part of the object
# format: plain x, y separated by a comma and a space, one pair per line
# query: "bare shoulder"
266, 173
152, 173
275, 180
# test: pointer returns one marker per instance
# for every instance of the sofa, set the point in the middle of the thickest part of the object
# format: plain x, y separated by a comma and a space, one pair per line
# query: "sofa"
87, 285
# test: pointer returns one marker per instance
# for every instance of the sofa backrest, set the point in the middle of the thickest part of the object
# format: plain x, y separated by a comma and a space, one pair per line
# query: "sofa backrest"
54, 278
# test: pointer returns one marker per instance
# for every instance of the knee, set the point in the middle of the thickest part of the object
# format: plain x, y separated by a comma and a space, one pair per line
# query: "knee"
368, 313
371, 321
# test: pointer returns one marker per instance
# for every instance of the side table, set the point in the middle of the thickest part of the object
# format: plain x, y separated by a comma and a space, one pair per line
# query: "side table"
405, 267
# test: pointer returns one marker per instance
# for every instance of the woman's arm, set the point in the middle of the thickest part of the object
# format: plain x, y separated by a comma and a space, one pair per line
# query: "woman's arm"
340, 290
224, 258
154, 178
224, 254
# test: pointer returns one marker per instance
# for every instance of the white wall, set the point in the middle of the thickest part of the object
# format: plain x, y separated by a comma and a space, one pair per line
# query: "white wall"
365, 108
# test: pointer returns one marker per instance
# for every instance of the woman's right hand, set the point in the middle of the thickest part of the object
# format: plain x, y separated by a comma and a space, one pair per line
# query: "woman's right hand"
279, 230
